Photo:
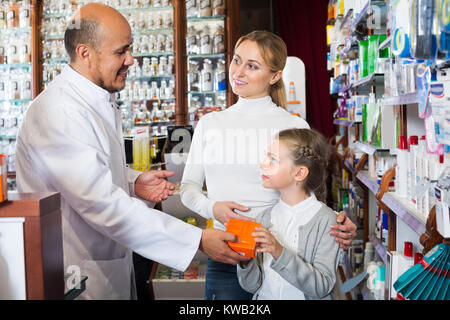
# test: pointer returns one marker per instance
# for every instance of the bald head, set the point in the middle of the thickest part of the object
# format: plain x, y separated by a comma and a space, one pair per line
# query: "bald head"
92, 24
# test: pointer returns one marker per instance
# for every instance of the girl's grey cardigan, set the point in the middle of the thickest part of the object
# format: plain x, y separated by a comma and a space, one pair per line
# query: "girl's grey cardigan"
312, 269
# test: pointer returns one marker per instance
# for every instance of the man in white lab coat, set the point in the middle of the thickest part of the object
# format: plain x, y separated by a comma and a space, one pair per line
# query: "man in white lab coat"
71, 142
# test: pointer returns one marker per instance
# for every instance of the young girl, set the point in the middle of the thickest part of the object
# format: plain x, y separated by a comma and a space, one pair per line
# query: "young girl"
296, 256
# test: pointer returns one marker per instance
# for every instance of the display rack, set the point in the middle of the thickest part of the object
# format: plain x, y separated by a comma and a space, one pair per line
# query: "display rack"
357, 158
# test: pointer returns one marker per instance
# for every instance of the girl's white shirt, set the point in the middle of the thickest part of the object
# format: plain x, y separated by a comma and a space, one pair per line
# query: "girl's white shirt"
285, 223
226, 150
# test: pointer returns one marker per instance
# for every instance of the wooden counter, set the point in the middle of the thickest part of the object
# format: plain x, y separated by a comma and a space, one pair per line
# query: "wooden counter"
44, 266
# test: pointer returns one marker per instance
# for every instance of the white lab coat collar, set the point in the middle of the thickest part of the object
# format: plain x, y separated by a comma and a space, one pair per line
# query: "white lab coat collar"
101, 100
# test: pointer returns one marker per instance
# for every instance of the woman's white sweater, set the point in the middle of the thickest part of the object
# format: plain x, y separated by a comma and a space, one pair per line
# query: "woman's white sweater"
226, 150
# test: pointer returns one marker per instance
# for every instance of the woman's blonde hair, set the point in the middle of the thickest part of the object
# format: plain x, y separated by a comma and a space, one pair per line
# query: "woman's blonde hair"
274, 52
309, 148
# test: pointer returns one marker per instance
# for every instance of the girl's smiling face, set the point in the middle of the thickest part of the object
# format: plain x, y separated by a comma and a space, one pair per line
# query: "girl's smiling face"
249, 75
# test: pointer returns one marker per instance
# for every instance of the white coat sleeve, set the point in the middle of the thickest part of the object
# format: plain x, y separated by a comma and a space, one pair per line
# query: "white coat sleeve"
132, 177
66, 150
193, 177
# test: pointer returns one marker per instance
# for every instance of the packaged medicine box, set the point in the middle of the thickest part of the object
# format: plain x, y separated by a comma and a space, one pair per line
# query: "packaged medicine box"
243, 230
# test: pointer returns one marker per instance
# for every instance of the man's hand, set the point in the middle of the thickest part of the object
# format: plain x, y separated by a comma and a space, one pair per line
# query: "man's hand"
224, 211
152, 185
344, 231
214, 245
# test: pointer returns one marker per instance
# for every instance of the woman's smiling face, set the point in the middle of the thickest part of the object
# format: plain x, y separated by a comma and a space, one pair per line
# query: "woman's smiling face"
249, 75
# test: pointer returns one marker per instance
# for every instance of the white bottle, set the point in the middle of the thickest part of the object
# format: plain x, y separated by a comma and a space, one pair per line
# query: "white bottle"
401, 172
206, 76
413, 149
419, 162
205, 41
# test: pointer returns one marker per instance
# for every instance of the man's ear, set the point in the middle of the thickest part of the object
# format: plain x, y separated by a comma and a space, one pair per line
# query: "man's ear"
276, 77
83, 52
301, 173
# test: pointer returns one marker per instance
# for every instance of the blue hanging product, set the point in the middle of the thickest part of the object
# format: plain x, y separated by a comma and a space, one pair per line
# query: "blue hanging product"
423, 43
401, 41
443, 14
423, 88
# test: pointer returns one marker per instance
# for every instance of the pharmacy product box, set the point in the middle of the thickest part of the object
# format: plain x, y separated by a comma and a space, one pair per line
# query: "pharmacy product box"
243, 230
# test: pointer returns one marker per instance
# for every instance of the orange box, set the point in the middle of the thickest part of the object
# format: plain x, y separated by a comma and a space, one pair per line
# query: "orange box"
3, 179
243, 230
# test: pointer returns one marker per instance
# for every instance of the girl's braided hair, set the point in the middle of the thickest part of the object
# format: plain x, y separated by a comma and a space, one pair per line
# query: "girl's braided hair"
309, 148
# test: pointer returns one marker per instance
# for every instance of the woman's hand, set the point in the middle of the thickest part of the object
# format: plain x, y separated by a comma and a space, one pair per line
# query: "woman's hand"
344, 231
223, 211
266, 242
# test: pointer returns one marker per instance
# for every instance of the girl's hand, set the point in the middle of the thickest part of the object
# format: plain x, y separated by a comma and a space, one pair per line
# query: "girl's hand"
224, 211
266, 242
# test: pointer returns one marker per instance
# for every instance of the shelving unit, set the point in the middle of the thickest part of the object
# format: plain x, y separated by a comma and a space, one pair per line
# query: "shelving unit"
357, 159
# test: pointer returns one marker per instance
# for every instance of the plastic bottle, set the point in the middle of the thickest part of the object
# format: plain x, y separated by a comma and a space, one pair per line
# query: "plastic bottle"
205, 42
379, 283
401, 172
206, 76
385, 230
369, 254
219, 7
205, 8
24, 14
219, 40
220, 81
407, 257
371, 108
292, 95
412, 153
12, 17
3, 12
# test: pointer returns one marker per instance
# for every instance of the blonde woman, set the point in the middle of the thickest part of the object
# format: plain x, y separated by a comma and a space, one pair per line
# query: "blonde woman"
227, 147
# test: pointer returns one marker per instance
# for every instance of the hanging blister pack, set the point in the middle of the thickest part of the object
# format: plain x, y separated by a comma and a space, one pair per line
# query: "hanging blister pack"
423, 88
422, 40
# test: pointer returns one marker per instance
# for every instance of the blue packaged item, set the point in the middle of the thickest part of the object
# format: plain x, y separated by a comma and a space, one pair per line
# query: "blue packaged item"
422, 41
423, 89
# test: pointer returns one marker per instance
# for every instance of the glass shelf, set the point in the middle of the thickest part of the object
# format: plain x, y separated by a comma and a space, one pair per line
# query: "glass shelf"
15, 30
144, 100
145, 78
16, 100
16, 65
151, 123
8, 137
122, 10
56, 60
212, 18
153, 54
135, 32
207, 55
206, 92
